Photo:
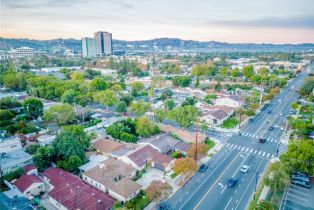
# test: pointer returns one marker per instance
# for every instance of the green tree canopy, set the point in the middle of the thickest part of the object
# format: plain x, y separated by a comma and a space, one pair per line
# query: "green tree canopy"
106, 97
99, 84
139, 108
184, 115
121, 107
33, 107
145, 127
62, 114
248, 71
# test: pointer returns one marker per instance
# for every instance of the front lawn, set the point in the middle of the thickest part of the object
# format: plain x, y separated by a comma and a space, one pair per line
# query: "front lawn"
230, 123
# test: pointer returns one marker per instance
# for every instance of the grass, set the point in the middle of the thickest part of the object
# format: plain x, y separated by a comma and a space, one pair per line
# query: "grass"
142, 203
230, 123
174, 175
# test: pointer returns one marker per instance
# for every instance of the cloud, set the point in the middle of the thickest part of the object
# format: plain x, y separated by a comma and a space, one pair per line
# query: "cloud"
300, 22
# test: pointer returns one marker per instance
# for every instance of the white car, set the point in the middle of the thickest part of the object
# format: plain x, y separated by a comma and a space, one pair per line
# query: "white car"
244, 168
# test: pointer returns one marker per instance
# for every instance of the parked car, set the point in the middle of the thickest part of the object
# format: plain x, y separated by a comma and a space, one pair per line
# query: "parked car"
163, 206
262, 140
300, 177
232, 182
202, 168
269, 112
244, 168
271, 128
301, 183
251, 120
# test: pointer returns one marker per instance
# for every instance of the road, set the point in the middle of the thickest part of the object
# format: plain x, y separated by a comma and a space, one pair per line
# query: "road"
208, 190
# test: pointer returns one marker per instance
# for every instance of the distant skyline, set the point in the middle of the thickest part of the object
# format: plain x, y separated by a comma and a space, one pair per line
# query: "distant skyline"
241, 21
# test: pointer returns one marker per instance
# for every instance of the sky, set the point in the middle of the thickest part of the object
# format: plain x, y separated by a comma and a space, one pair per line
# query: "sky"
236, 21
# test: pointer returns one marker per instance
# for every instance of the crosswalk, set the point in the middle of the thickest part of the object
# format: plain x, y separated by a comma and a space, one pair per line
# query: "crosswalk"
257, 137
250, 150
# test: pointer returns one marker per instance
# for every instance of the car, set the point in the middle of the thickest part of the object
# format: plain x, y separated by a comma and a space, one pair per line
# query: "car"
301, 183
163, 206
232, 182
300, 177
244, 168
270, 111
251, 120
271, 128
240, 133
262, 140
281, 114
202, 168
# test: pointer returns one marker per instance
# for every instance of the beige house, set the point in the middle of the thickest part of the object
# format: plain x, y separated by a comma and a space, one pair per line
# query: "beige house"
114, 178
30, 185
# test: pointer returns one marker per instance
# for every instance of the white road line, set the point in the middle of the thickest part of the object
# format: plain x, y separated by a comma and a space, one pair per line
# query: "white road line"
228, 145
253, 136
251, 150
239, 148
267, 155
255, 152
272, 156
228, 203
263, 154
243, 148
232, 145
259, 152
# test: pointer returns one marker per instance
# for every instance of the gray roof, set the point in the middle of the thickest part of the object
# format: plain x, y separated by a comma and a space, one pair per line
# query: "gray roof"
13, 199
165, 143
15, 158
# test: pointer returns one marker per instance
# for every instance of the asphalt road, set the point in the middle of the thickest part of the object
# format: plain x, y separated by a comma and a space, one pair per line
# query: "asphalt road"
208, 190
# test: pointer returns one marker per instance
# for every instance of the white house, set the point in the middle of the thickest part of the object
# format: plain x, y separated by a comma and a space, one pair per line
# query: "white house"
230, 101
30, 185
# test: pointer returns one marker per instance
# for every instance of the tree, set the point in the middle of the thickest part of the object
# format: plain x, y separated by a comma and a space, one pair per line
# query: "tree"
158, 191
183, 165
43, 157
200, 70
33, 108
299, 156
9, 102
106, 97
77, 76
121, 107
183, 81
279, 179
145, 127
116, 88
127, 99
201, 149
71, 164
136, 88
32, 149
264, 205
166, 94
184, 115
235, 72
307, 87
248, 71
295, 106
62, 114
263, 71
160, 114
139, 108
218, 86
99, 84
6, 117
69, 96
71, 141
189, 101
169, 104
224, 71
204, 127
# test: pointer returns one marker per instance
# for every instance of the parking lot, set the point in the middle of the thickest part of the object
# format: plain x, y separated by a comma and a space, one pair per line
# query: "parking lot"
298, 198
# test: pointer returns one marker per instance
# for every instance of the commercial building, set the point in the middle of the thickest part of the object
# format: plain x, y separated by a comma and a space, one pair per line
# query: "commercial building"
14, 160
88, 47
103, 43
22, 52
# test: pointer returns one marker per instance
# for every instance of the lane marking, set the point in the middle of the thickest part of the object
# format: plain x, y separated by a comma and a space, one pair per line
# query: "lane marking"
223, 173
228, 203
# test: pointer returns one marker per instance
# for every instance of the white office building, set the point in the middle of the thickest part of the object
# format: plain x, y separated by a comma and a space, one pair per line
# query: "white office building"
88, 47
103, 43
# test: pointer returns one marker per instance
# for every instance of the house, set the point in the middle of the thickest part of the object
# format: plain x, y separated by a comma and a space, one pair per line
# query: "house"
67, 191
30, 185
14, 160
94, 160
111, 148
233, 101
10, 144
148, 155
165, 144
30, 170
113, 177
186, 136
14, 199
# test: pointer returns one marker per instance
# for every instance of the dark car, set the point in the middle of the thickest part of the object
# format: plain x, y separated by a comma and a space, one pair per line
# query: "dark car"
232, 182
202, 168
271, 128
262, 140
163, 206
269, 112
297, 176
301, 183
251, 120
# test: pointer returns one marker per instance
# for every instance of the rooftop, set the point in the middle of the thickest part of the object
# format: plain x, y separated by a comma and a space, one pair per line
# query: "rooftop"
26, 181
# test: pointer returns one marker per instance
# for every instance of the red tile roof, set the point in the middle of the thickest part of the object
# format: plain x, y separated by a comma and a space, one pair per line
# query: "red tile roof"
26, 181
70, 191
141, 156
